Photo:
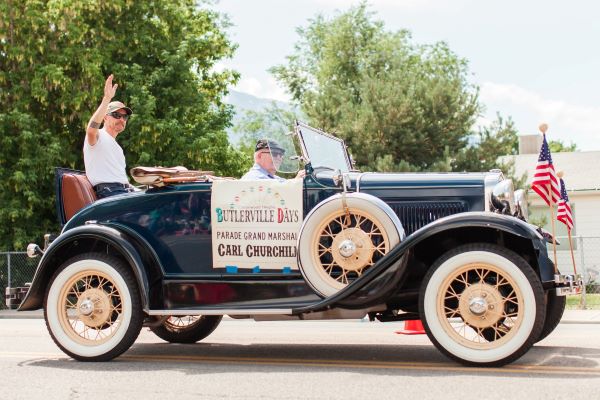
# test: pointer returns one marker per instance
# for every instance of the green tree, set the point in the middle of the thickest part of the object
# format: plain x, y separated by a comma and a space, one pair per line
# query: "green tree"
272, 122
497, 139
54, 58
557, 146
488, 147
398, 105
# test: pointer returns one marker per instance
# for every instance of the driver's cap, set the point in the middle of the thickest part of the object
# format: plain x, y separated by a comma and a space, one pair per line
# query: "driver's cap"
268, 144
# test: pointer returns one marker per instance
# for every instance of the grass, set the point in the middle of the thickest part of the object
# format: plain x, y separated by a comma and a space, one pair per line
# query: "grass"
592, 302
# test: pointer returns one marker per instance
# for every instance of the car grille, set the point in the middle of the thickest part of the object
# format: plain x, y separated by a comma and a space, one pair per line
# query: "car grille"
416, 215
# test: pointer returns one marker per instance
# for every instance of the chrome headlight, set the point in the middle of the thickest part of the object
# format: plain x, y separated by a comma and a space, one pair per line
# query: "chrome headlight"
521, 204
503, 197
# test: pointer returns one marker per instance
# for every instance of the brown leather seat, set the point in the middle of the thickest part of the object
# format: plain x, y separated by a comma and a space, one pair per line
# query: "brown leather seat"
77, 192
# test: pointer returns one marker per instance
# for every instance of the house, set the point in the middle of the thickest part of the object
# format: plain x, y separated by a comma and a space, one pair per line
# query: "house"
582, 178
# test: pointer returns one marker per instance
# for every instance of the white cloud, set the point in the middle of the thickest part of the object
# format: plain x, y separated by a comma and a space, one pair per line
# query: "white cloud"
567, 122
398, 5
249, 85
266, 89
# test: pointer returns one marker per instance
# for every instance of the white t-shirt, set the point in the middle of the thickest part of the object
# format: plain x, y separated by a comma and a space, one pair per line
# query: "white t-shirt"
104, 161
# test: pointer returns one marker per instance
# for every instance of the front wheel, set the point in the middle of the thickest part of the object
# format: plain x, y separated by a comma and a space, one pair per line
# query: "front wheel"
482, 304
187, 329
92, 307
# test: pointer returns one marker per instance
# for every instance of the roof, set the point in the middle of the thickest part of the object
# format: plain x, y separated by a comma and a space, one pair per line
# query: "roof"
581, 168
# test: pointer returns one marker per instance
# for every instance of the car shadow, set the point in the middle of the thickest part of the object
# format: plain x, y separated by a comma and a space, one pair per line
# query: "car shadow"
375, 359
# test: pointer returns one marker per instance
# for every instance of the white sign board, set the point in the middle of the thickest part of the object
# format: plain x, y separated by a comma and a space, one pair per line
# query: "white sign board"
255, 224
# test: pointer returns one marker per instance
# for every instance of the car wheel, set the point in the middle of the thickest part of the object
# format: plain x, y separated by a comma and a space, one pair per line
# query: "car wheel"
342, 238
92, 307
482, 304
555, 307
187, 329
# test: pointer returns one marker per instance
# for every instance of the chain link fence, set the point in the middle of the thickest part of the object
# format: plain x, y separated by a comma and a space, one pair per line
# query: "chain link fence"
584, 258
16, 268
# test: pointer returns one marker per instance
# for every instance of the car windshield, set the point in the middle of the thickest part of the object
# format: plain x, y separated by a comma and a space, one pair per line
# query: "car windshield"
323, 150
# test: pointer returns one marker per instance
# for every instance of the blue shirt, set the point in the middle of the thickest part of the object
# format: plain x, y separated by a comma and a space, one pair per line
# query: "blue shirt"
258, 172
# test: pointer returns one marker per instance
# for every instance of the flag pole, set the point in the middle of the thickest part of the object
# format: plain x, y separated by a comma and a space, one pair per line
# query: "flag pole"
553, 229
543, 128
560, 175
572, 256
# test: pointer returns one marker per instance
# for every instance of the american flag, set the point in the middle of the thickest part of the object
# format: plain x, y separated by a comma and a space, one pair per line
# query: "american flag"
545, 176
564, 209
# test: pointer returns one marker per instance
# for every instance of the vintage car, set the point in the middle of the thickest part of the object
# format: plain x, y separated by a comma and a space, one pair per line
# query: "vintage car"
453, 250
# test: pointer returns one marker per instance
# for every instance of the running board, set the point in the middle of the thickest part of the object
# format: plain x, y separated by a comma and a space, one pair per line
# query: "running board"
230, 311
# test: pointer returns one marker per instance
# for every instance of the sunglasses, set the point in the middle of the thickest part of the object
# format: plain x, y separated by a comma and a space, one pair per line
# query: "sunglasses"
117, 115
273, 154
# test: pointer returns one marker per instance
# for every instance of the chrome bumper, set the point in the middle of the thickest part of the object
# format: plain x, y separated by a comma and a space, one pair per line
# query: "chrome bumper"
568, 284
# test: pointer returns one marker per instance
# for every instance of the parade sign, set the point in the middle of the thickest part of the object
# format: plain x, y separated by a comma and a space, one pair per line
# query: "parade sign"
255, 224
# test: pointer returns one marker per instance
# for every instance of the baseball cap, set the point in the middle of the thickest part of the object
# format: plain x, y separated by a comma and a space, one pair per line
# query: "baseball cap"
268, 144
117, 105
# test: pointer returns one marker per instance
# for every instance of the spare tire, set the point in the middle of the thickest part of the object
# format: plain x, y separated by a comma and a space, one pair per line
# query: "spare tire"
342, 237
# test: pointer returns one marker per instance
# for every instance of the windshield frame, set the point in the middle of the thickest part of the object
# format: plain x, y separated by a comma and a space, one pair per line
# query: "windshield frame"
301, 125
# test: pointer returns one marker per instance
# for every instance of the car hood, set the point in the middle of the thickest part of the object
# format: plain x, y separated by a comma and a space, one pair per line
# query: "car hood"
406, 180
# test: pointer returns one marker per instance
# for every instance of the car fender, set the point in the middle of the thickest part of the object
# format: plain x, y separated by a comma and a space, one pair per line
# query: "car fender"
388, 272
107, 234
486, 220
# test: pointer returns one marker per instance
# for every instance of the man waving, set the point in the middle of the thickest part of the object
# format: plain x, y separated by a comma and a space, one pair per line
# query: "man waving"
103, 157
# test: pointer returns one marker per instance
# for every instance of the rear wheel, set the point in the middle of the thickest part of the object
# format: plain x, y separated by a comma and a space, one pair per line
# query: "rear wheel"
555, 307
482, 304
92, 307
187, 329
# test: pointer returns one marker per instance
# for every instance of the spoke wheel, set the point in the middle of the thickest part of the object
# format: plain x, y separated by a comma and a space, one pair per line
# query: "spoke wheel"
341, 239
348, 244
482, 304
187, 329
92, 307
182, 323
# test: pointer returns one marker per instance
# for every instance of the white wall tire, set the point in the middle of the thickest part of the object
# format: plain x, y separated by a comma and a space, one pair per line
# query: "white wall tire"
482, 304
366, 232
92, 308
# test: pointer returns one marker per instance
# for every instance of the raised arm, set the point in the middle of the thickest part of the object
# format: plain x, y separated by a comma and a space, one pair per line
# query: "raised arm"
91, 132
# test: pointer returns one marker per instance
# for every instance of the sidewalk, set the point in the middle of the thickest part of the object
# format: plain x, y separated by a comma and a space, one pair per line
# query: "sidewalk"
569, 317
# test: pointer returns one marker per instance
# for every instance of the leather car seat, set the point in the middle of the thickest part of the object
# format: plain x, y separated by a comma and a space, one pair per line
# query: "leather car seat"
77, 192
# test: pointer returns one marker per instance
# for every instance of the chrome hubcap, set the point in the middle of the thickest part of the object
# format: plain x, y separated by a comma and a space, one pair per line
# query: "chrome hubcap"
478, 305
86, 307
347, 248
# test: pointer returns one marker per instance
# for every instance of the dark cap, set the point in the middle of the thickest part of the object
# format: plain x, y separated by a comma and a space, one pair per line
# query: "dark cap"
268, 144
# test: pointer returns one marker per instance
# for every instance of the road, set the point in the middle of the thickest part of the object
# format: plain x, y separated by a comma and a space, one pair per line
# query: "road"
295, 360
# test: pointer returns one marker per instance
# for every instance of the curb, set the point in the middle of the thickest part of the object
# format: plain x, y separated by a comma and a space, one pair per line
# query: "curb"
573, 322
13, 314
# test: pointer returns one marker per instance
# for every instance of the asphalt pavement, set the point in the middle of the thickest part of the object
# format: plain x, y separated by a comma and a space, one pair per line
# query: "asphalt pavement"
569, 317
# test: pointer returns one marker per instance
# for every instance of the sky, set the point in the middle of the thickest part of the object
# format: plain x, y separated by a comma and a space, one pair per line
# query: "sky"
535, 61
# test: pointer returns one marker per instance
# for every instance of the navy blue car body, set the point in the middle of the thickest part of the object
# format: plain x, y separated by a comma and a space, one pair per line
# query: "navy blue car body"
162, 236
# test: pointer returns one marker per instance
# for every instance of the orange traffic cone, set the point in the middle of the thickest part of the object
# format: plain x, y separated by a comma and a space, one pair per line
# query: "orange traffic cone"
412, 327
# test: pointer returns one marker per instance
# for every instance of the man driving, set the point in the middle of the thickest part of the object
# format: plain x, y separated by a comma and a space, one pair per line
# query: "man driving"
268, 156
